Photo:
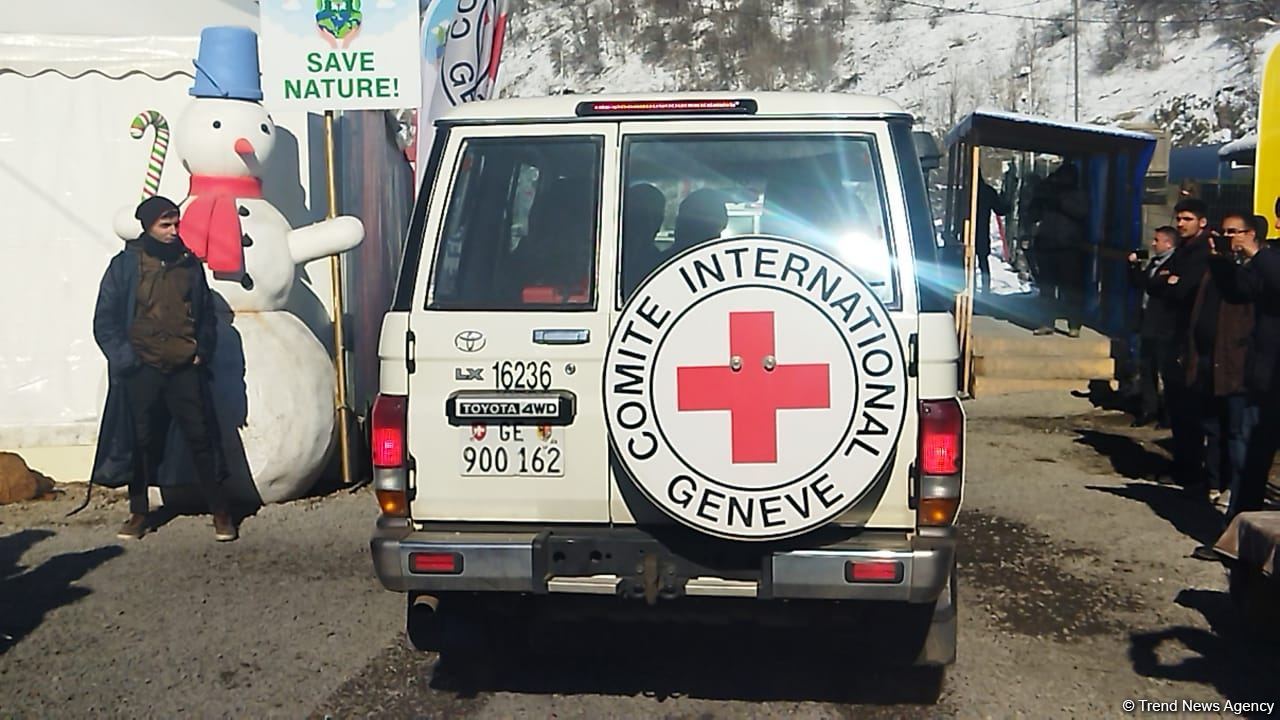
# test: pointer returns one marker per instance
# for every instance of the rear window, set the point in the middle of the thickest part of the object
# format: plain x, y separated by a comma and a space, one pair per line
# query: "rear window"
521, 226
826, 190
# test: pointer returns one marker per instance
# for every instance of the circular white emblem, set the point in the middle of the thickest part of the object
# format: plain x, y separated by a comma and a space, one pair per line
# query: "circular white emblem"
469, 341
754, 388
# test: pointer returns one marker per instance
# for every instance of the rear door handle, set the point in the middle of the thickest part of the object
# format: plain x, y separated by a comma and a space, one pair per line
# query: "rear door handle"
561, 336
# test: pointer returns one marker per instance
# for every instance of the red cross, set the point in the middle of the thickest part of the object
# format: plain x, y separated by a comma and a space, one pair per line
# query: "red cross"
752, 394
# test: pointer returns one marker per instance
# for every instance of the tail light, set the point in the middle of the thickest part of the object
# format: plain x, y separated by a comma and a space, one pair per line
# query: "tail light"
873, 571
941, 437
393, 503
389, 420
937, 511
435, 563
668, 107
941, 462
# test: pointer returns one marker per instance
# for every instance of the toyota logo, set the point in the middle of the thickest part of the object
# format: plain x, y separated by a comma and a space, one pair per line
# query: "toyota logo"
469, 341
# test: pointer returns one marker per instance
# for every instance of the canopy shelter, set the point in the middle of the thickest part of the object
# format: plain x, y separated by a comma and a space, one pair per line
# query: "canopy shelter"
1112, 163
1240, 152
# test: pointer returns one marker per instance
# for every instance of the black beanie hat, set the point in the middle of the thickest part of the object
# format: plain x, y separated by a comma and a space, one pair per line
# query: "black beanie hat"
152, 209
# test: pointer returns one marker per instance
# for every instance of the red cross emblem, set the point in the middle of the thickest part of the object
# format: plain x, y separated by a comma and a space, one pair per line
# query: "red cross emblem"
753, 388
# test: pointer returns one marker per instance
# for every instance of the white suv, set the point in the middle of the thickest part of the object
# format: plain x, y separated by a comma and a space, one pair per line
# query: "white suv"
665, 350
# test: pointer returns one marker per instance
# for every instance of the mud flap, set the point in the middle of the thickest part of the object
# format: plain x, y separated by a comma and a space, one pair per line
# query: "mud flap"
940, 644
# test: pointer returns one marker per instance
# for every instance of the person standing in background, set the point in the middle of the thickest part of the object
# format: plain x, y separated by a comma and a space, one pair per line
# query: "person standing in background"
1255, 271
989, 201
1178, 282
1062, 209
154, 322
1157, 328
1221, 327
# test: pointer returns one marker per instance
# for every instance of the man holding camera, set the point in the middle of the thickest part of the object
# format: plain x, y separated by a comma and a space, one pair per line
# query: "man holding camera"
1157, 328
1221, 329
1254, 269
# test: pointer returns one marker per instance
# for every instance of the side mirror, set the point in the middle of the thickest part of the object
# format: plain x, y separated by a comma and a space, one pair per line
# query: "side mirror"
927, 150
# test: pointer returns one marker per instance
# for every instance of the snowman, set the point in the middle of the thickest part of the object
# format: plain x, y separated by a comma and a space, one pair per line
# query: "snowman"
273, 381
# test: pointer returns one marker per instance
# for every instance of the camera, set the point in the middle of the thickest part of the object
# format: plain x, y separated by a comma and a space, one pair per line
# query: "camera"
1142, 254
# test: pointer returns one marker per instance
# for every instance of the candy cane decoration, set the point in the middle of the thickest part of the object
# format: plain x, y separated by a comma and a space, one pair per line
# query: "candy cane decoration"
155, 165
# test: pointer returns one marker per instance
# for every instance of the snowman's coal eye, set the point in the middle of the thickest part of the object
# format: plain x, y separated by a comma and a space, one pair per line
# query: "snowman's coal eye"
265, 130
217, 124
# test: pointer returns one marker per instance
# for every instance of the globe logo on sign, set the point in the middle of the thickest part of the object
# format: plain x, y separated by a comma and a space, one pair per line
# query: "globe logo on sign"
339, 18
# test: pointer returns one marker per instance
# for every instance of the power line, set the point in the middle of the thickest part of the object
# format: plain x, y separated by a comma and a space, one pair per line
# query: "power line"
944, 9
1060, 18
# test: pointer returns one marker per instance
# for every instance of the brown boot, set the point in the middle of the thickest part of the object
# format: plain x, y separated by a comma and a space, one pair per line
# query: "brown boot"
224, 527
133, 528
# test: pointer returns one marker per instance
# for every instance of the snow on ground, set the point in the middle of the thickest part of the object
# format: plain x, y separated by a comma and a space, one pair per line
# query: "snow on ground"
1005, 280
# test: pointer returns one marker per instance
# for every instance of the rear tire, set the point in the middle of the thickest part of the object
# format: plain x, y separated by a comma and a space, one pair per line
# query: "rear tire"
930, 683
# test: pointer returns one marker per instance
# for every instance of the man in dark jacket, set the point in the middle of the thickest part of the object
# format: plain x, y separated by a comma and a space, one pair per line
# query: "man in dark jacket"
154, 322
1157, 327
1182, 276
1219, 371
1062, 208
1258, 276
1221, 327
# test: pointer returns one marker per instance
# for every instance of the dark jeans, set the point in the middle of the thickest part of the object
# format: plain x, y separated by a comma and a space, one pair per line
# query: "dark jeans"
1157, 366
1261, 452
1239, 417
1227, 425
156, 398
1060, 280
1211, 438
984, 265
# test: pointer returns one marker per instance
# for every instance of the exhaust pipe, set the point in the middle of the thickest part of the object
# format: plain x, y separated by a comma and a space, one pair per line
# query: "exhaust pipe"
422, 624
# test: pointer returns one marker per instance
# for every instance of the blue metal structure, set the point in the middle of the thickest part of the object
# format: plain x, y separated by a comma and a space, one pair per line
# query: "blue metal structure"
1113, 164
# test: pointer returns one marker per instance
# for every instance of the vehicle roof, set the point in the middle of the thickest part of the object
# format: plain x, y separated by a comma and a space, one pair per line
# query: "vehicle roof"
770, 104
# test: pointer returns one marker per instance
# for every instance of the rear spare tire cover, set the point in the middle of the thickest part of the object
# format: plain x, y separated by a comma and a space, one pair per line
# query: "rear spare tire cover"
755, 388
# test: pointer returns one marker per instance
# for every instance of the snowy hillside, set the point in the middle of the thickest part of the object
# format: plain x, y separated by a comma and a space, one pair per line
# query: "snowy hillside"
1163, 61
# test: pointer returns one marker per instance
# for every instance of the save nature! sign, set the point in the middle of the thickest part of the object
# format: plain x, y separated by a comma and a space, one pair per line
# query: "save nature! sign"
340, 54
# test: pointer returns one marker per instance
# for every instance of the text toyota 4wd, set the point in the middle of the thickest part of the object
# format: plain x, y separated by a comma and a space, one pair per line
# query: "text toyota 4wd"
666, 351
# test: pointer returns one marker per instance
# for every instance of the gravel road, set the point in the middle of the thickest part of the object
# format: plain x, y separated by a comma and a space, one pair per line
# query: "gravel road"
1077, 593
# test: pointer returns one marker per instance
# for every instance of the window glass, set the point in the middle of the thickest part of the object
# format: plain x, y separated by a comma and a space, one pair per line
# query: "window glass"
926, 239
521, 226
825, 190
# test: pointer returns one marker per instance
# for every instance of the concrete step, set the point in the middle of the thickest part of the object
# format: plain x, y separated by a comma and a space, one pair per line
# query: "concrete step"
1044, 367
985, 386
995, 338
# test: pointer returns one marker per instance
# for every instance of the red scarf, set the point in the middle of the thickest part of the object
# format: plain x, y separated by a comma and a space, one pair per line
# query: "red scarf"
210, 226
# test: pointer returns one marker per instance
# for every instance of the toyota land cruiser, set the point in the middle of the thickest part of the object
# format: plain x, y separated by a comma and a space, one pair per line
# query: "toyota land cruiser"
660, 351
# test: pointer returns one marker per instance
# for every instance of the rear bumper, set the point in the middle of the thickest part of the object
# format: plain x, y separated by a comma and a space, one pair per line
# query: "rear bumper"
518, 561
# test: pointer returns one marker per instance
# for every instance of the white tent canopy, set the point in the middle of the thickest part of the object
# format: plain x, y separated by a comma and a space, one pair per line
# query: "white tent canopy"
156, 38
79, 71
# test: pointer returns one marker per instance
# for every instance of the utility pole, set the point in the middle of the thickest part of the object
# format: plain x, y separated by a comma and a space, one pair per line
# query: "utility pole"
1075, 51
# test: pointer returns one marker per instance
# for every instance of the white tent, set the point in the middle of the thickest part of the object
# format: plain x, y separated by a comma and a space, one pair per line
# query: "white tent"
73, 74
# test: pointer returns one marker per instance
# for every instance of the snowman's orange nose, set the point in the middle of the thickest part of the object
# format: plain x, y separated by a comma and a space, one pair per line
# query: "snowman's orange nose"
244, 147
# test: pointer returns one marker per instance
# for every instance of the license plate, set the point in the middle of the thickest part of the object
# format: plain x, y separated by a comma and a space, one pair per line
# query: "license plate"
511, 450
